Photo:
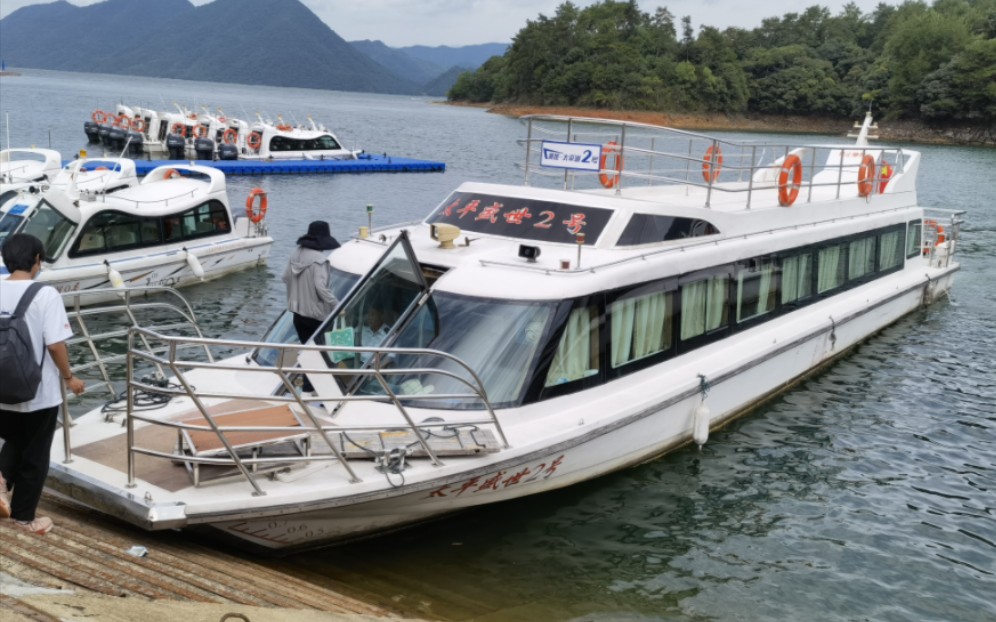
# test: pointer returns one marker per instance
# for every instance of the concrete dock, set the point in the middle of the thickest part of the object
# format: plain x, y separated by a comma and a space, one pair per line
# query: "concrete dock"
83, 569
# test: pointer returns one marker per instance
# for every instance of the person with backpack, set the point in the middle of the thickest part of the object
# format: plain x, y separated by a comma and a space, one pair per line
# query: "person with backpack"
34, 361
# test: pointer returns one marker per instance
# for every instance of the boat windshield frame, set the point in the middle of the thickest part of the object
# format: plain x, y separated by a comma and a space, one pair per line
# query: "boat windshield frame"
51, 226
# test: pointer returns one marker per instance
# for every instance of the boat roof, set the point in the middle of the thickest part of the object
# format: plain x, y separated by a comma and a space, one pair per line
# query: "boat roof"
599, 233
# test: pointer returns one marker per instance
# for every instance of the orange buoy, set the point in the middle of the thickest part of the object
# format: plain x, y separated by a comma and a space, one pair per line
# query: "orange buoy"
788, 191
610, 150
179, 128
254, 140
230, 136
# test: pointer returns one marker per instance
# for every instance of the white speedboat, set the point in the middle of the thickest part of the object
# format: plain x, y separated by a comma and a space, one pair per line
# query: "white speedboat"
266, 140
644, 287
173, 229
23, 167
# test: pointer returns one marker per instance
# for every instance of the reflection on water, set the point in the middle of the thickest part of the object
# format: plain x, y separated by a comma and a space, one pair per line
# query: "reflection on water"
866, 493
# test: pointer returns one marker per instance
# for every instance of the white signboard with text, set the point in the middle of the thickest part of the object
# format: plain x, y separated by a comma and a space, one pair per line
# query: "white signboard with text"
571, 155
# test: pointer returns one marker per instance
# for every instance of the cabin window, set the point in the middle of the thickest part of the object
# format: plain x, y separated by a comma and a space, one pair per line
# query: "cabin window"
890, 250
704, 306
114, 231
649, 228
914, 238
832, 263
577, 353
757, 289
641, 325
861, 258
286, 143
10, 221
797, 278
52, 228
209, 218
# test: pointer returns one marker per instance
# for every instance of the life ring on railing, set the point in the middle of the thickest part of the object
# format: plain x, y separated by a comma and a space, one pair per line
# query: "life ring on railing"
179, 128
138, 124
709, 172
254, 215
610, 150
123, 122
866, 176
230, 136
99, 117
254, 140
930, 223
200, 131
171, 173
788, 191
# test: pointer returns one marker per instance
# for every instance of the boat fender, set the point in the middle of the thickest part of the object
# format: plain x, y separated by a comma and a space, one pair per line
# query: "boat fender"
117, 282
700, 431
195, 264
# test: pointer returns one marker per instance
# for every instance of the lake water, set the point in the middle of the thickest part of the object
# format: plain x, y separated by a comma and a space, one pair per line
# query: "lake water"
866, 493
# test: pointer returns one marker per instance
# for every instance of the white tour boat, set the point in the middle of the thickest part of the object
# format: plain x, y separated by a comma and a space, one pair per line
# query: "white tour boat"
644, 287
23, 167
102, 228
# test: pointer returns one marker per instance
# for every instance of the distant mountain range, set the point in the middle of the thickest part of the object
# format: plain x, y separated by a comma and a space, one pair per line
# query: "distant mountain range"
270, 42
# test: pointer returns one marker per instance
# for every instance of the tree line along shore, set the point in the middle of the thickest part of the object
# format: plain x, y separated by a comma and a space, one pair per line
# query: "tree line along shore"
925, 71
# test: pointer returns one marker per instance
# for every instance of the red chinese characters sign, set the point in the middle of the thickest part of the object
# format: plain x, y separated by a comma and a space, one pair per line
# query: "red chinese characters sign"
522, 218
502, 479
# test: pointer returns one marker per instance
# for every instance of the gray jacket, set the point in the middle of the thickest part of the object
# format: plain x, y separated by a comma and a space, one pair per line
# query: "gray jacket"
308, 278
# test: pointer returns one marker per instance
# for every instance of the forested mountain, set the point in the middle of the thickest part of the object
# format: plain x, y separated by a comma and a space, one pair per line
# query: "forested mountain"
272, 42
934, 63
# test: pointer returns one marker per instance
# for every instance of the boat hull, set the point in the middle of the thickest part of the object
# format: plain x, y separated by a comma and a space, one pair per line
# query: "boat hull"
738, 380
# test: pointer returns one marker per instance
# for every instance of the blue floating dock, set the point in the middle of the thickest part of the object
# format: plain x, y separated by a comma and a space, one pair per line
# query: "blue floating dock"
366, 163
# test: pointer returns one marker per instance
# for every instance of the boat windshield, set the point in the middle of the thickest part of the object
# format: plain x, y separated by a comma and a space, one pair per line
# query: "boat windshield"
499, 339
51, 227
282, 330
10, 221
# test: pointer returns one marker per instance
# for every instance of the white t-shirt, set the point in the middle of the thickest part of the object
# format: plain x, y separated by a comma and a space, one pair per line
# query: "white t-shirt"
47, 311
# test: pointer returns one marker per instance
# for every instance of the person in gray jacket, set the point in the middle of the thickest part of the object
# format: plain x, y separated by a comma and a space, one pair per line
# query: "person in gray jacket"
308, 279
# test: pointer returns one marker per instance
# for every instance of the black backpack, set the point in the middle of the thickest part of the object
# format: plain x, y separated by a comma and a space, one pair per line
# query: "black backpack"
19, 367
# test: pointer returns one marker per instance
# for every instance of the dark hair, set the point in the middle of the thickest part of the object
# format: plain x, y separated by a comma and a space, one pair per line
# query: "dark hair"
20, 252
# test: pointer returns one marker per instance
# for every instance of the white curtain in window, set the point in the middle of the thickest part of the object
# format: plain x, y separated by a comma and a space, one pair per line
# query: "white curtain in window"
573, 358
716, 310
638, 327
703, 306
861, 260
829, 275
888, 255
796, 273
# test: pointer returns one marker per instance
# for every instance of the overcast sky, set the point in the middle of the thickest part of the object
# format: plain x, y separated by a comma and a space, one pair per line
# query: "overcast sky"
401, 23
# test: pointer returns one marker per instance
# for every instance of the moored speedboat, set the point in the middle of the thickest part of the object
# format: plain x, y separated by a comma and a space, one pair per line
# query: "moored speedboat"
19, 167
102, 229
644, 287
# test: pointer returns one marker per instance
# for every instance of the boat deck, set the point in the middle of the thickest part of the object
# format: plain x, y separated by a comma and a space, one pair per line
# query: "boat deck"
367, 163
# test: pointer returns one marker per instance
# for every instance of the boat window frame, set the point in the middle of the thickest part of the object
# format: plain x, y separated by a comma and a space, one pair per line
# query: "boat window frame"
538, 390
744, 266
716, 334
669, 287
67, 235
914, 231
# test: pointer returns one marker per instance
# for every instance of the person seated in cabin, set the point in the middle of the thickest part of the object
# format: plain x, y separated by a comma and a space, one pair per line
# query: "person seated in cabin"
373, 333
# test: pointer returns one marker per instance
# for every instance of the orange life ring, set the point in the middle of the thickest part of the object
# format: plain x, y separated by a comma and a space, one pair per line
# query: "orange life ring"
179, 128
611, 149
710, 173
284, 128
99, 117
866, 176
171, 173
788, 191
230, 136
254, 215
138, 124
254, 140
123, 122
200, 131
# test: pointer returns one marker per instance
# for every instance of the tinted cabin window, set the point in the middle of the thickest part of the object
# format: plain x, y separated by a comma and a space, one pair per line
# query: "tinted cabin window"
577, 353
914, 238
832, 262
286, 143
757, 289
861, 258
797, 278
641, 326
890, 250
649, 228
209, 218
704, 306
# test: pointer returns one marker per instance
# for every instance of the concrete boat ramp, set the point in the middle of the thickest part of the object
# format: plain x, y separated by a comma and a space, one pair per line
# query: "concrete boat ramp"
89, 567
